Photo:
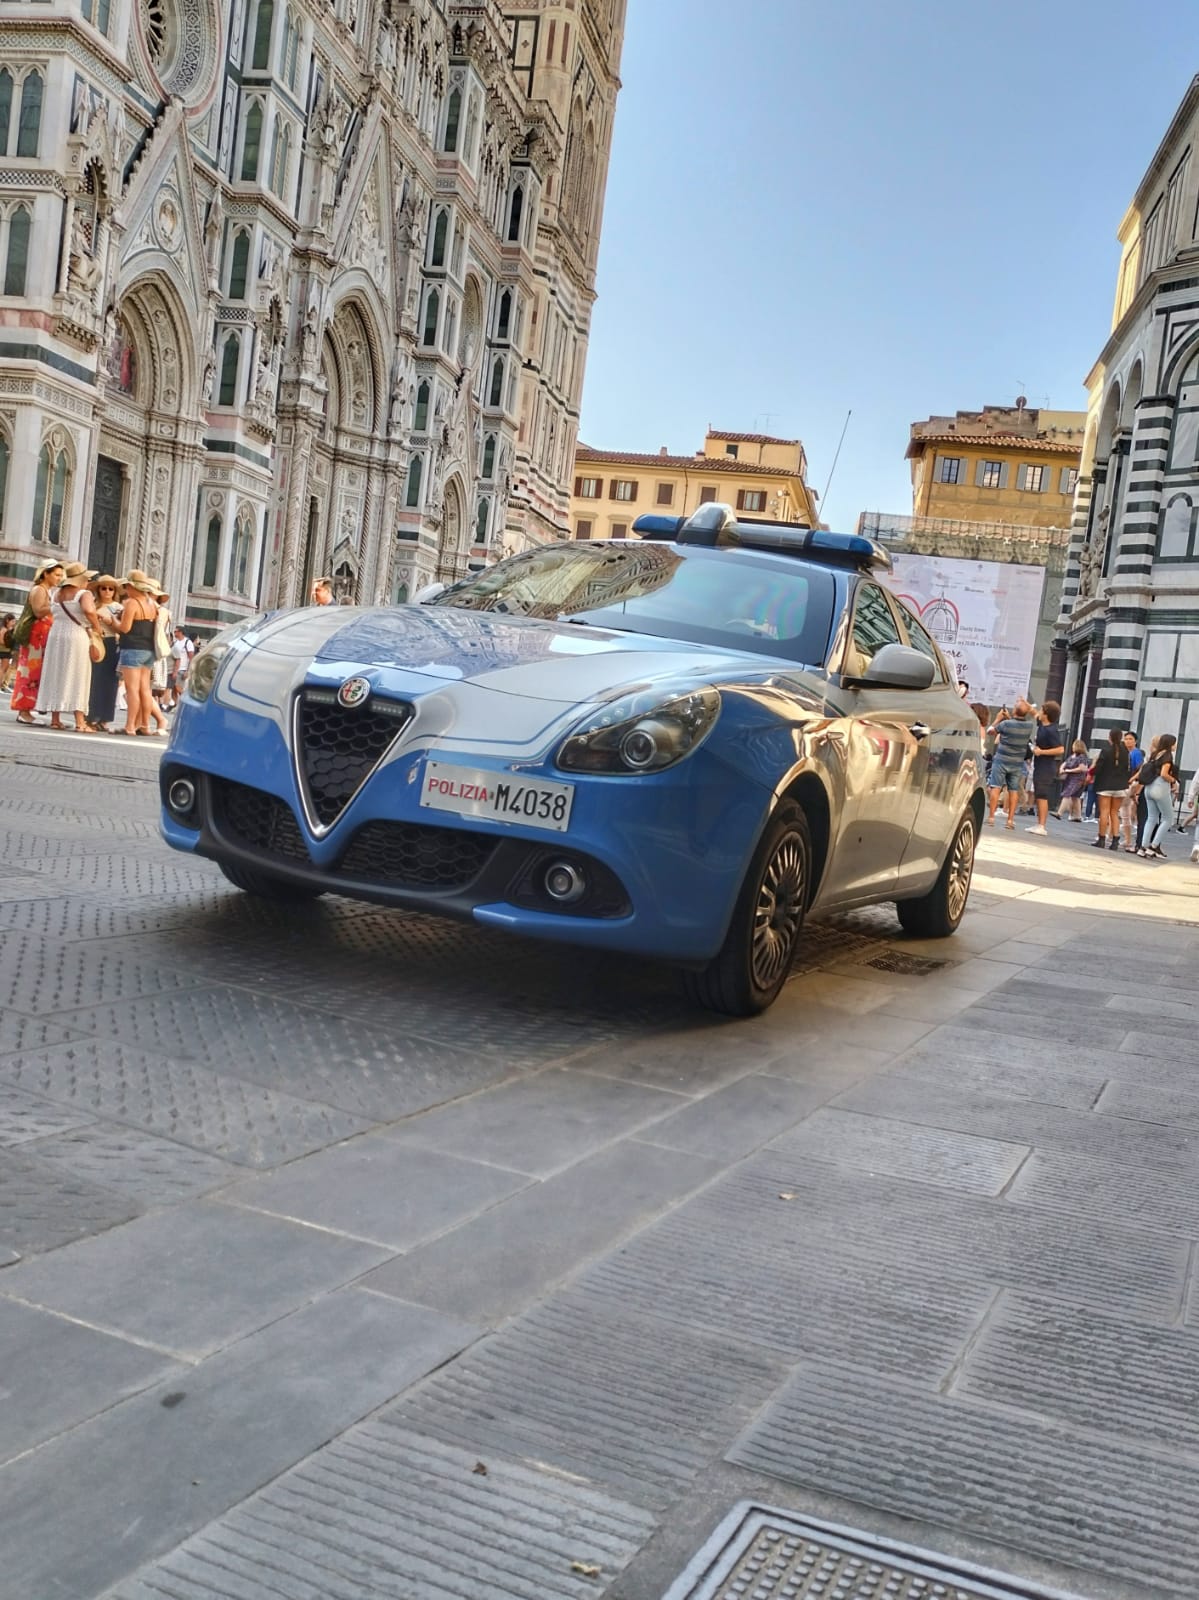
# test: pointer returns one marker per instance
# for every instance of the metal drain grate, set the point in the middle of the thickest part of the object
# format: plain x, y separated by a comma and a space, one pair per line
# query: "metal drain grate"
909, 966
759, 1553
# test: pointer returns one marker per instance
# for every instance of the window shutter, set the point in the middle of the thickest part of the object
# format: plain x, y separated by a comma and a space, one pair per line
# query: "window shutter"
1063, 481
1003, 472
1022, 477
612, 482
740, 499
938, 469
1046, 479
578, 487
979, 469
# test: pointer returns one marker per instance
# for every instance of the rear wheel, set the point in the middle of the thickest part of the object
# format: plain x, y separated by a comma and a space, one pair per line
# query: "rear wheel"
264, 886
759, 948
938, 913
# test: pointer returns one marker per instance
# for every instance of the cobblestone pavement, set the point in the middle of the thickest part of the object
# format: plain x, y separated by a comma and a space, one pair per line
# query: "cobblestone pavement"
347, 1254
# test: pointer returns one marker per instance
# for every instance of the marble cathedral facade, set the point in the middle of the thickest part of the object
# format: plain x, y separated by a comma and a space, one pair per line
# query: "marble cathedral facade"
294, 287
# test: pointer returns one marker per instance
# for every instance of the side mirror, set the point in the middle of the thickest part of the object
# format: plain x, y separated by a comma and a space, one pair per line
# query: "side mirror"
897, 666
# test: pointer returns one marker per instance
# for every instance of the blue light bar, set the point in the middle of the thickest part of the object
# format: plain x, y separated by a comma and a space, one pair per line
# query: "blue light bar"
650, 523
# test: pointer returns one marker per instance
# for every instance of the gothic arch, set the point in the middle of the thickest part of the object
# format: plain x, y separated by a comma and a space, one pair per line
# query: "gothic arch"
355, 348
1133, 390
1109, 421
470, 339
168, 379
453, 526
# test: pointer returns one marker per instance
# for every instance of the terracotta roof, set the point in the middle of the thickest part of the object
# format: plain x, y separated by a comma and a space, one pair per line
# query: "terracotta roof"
979, 441
710, 466
747, 438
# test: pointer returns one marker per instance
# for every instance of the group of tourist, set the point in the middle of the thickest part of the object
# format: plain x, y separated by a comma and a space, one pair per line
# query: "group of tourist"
87, 644
1134, 794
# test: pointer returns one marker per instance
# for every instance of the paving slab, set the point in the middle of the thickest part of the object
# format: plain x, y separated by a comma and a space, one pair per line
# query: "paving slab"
583, 1386
538, 1124
146, 1474
737, 1118
501, 1262
219, 1112
1093, 1500
1077, 1090
55, 1373
1056, 1361
42, 1208
193, 1278
904, 1150
377, 1189
384, 1512
1110, 1193
26, 1116
150, 1170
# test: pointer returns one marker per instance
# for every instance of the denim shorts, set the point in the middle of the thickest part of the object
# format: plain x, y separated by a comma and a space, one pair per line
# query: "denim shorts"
1005, 777
127, 659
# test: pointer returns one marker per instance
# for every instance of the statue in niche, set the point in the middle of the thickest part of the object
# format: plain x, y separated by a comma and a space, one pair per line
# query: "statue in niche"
213, 229
1088, 565
208, 381
83, 270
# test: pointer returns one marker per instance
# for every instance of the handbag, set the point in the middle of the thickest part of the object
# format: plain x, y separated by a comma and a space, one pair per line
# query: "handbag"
95, 639
162, 635
23, 628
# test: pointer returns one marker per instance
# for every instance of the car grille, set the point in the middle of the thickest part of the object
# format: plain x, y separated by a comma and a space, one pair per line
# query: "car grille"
338, 749
413, 855
261, 821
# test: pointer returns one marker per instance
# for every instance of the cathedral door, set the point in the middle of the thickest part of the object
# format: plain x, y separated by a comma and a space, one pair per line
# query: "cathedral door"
106, 516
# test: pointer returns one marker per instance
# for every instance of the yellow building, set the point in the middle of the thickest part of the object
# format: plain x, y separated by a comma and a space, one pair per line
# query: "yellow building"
758, 475
1001, 464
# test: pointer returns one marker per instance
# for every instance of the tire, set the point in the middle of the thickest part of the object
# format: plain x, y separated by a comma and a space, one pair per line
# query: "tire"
264, 886
754, 962
938, 913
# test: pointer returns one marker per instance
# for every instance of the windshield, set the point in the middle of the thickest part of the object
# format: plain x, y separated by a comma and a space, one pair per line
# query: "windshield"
771, 605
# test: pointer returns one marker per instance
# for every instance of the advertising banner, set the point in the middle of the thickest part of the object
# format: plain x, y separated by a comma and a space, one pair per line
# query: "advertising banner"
983, 614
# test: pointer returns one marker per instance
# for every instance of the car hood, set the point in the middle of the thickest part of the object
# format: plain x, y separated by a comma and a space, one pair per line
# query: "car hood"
561, 662
499, 685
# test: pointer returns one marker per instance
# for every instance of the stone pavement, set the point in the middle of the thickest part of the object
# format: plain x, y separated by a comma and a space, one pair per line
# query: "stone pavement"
348, 1254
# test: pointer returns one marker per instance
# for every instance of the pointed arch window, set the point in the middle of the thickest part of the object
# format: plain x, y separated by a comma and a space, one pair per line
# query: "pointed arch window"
5, 107
263, 23
482, 517
29, 127
504, 325
515, 214
239, 265
420, 420
51, 493
252, 143
280, 158
16, 260
453, 116
98, 13
4, 453
432, 311
289, 50
227, 393
239, 554
489, 456
412, 493
496, 395
441, 230
212, 552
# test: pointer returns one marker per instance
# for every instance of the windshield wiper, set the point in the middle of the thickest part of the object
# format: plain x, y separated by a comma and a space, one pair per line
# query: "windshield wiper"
581, 622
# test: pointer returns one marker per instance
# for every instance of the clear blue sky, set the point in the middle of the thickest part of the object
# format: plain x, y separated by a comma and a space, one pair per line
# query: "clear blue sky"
899, 206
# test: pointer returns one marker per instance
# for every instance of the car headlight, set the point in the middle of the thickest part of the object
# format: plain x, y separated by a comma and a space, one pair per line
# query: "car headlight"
641, 732
206, 667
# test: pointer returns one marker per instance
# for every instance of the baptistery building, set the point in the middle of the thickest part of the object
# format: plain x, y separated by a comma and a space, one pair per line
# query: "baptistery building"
295, 287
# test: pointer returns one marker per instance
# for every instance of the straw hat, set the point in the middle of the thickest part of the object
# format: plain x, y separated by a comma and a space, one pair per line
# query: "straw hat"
76, 572
142, 581
105, 580
42, 571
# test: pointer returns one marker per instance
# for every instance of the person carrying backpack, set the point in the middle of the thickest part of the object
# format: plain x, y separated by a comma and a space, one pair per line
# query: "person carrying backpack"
1157, 779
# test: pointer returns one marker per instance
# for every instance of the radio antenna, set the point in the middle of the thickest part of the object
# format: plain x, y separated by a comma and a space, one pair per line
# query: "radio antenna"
836, 457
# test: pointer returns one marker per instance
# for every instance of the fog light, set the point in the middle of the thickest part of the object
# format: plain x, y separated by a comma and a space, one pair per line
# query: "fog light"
181, 796
564, 882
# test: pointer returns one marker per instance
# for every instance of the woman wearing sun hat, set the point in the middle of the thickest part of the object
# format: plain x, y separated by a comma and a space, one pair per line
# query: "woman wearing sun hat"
66, 683
37, 618
135, 656
102, 703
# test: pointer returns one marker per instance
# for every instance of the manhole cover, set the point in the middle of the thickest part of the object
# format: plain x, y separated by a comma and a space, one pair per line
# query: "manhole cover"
910, 966
759, 1553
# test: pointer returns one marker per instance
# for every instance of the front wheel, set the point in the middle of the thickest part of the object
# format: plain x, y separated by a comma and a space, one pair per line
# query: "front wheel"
265, 886
759, 948
937, 914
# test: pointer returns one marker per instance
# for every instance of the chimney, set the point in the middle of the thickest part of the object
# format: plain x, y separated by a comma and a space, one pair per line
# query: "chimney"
663, 451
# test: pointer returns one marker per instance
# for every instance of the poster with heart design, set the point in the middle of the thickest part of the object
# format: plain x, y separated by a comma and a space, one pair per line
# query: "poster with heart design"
983, 614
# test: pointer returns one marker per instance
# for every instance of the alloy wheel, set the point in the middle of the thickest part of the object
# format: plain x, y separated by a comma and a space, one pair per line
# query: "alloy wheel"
961, 868
779, 912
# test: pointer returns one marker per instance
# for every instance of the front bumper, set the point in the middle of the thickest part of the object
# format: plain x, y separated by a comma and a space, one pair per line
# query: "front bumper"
663, 854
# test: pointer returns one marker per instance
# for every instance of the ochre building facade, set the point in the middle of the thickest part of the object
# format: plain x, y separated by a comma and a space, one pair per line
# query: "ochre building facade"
757, 475
294, 288
1001, 464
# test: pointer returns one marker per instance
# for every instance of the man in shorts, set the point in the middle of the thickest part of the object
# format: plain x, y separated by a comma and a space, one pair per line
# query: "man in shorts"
182, 650
1014, 733
1048, 751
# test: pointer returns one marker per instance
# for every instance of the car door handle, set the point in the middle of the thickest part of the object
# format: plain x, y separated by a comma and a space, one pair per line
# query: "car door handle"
919, 730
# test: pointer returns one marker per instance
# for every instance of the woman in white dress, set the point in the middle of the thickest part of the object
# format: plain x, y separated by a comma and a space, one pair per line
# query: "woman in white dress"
67, 666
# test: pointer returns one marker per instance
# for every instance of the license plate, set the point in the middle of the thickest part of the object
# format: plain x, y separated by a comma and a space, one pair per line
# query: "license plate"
472, 793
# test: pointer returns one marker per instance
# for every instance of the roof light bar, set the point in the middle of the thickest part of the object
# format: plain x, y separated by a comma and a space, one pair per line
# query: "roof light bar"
715, 524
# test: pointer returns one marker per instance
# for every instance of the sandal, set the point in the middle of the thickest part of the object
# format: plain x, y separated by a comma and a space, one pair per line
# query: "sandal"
25, 719
121, 733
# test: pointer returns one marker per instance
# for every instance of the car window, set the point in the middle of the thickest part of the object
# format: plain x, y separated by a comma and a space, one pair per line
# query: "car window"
770, 605
873, 626
921, 639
